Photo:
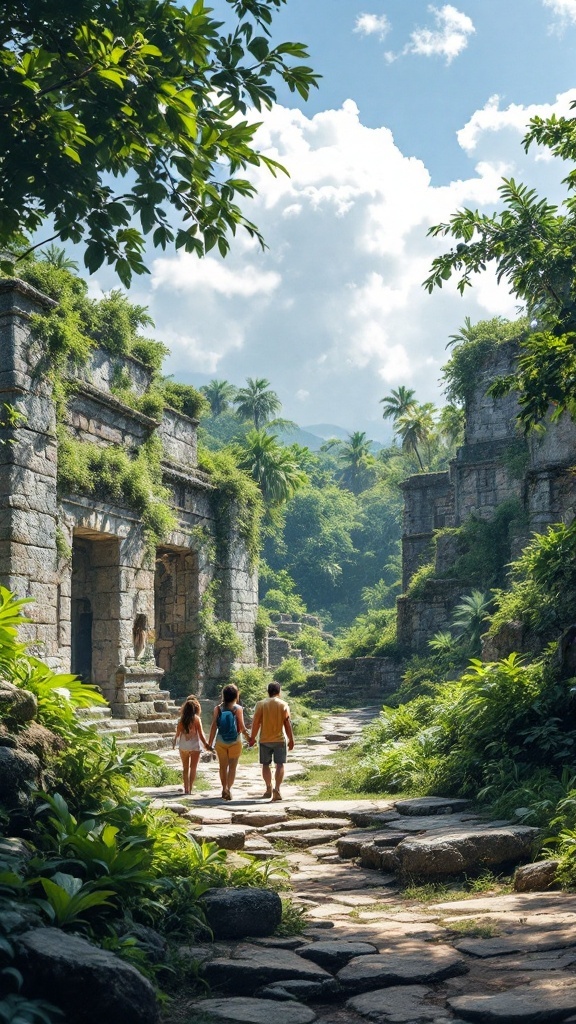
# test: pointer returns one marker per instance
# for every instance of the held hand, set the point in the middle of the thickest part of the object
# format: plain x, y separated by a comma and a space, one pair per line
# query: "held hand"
251, 743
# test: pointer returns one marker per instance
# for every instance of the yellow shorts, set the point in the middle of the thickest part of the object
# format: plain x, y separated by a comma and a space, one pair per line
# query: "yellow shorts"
228, 751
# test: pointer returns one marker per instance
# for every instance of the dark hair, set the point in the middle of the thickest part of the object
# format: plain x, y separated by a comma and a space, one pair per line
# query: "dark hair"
230, 693
189, 710
273, 689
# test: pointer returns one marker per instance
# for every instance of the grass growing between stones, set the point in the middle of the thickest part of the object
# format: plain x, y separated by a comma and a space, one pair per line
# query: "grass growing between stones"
471, 928
294, 920
324, 782
442, 892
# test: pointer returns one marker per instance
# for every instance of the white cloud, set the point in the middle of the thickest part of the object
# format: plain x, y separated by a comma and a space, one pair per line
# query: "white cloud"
564, 10
372, 24
448, 39
187, 273
334, 313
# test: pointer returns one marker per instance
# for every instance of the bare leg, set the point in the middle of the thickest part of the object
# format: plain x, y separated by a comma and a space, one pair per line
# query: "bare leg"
279, 776
232, 765
267, 776
185, 758
192, 768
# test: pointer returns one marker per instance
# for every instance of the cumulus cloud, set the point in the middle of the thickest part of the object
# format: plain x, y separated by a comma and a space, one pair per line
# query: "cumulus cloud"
372, 25
334, 313
564, 10
448, 39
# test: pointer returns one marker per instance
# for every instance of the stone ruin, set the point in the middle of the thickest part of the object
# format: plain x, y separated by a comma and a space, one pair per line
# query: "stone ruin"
495, 464
103, 606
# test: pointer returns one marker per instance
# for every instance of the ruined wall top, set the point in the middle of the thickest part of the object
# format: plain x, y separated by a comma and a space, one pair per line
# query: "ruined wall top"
489, 419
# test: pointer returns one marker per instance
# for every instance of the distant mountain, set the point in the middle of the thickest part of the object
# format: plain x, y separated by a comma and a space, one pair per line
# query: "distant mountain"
328, 430
315, 436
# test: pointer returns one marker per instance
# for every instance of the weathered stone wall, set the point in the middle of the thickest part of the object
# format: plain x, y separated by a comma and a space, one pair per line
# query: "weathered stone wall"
85, 561
495, 464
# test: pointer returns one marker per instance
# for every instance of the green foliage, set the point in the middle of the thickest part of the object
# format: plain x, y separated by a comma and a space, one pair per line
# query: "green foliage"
484, 546
289, 672
184, 398
467, 736
220, 638
183, 675
112, 472
370, 635
272, 466
417, 587
294, 921
256, 402
236, 500
147, 92
473, 348
252, 684
543, 593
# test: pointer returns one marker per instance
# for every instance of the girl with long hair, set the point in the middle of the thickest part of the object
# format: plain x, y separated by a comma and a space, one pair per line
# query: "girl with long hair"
189, 735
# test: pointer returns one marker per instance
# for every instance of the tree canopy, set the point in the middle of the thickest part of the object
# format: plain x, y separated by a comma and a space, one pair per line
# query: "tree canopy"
532, 245
122, 119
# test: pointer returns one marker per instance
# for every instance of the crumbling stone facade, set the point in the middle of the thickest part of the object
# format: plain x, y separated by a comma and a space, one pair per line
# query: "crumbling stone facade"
104, 605
495, 464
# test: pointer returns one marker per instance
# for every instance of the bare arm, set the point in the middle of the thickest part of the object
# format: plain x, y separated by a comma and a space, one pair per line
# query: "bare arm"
256, 723
289, 731
200, 732
176, 734
240, 723
213, 727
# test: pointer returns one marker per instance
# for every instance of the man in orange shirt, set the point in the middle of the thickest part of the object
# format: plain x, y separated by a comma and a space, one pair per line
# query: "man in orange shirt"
272, 718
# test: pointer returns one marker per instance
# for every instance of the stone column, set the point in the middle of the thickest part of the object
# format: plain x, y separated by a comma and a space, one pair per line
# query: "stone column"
28, 498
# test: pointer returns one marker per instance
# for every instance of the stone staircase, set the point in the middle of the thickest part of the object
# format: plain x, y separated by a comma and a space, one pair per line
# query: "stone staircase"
148, 723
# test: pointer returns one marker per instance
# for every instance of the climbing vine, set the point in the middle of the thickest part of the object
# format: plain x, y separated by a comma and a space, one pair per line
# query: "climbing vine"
236, 502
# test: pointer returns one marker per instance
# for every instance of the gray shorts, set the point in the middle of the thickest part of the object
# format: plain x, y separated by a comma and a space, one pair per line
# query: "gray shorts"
278, 751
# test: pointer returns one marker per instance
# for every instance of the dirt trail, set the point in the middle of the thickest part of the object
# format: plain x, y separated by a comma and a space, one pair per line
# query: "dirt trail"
489, 957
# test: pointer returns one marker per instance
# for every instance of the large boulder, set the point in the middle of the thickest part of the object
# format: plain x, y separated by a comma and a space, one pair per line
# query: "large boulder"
19, 773
538, 877
37, 739
238, 913
17, 706
91, 985
443, 854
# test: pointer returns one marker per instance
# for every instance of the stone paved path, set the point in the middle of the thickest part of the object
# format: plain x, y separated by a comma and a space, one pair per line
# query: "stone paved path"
367, 953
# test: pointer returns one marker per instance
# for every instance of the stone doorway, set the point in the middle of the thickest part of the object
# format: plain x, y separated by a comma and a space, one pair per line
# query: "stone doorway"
95, 607
176, 606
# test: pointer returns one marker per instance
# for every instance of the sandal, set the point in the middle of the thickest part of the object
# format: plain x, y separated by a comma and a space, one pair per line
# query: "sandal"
266, 795
227, 794
276, 795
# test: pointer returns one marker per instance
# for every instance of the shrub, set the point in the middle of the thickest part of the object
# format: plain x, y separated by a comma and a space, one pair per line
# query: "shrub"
290, 671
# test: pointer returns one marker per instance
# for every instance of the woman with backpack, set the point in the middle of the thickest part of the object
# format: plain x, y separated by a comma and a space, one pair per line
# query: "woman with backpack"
228, 726
189, 735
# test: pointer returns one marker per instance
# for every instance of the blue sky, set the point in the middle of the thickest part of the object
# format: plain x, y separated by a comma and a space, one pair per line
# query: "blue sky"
421, 109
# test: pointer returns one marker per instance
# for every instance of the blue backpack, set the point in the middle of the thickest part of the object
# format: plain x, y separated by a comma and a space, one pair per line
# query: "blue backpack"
227, 726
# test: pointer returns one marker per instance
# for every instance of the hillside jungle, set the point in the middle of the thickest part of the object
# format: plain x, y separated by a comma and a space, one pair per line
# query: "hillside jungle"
85, 851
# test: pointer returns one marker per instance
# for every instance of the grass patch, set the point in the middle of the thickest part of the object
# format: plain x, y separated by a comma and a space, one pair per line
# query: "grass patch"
471, 928
294, 920
442, 892
323, 782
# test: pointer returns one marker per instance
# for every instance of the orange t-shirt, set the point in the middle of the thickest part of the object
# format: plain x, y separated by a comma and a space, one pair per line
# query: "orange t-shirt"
274, 713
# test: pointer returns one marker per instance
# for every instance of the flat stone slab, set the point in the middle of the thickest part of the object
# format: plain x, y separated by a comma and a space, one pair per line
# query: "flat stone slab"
250, 967
332, 956
304, 837
258, 818
350, 845
401, 1005
337, 808
522, 941
227, 837
519, 903
431, 805
306, 991
541, 1002
364, 819
454, 852
254, 1011
402, 964
299, 824
432, 824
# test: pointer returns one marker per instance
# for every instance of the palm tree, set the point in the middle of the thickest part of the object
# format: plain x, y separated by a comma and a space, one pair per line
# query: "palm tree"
398, 403
255, 402
451, 424
274, 467
357, 461
57, 257
470, 616
220, 395
415, 427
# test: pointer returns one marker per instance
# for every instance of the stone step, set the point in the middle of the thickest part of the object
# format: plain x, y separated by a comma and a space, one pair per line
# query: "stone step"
94, 712
152, 741
157, 725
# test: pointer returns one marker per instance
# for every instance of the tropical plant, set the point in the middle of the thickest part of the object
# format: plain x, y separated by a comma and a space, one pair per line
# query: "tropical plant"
149, 93
257, 402
272, 466
398, 403
356, 460
220, 395
67, 898
415, 427
470, 618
